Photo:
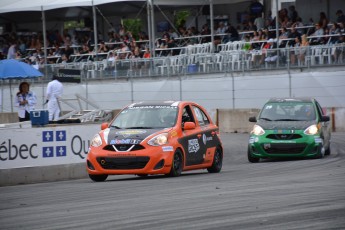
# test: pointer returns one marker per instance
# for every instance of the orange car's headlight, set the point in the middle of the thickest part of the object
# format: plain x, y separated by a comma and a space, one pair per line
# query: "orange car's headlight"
96, 141
160, 139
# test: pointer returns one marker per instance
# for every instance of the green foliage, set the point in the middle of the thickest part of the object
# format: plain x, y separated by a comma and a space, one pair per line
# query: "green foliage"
181, 17
133, 26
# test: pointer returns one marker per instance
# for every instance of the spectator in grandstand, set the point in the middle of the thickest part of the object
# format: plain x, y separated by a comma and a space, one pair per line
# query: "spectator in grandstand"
102, 47
293, 34
295, 51
319, 32
25, 100
220, 32
68, 51
255, 8
270, 51
303, 48
342, 27
323, 21
172, 33
259, 22
12, 51
111, 57
205, 31
284, 35
233, 33
297, 24
83, 53
338, 52
333, 31
293, 14
147, 53
340, 16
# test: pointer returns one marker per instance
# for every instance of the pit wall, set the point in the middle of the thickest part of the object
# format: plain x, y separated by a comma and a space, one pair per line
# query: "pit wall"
23, 150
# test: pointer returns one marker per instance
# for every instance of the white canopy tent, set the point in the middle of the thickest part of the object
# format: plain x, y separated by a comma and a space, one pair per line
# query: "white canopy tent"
7, 6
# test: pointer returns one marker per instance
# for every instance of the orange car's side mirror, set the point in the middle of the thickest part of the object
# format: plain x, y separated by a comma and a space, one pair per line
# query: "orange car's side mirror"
189, 125
104, 126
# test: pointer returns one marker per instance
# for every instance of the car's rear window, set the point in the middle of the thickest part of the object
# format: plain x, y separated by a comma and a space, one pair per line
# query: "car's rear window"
288, 111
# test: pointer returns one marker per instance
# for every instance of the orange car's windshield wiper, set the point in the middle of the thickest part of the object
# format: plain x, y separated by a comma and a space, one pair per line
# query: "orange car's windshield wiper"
286, 120
116, 127
139, 127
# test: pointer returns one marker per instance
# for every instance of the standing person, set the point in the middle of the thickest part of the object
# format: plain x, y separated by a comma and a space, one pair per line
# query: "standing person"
54, 92
25, 100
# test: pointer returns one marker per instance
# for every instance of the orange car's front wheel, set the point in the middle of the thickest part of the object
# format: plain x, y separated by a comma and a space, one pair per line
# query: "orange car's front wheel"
98, 178
177, 164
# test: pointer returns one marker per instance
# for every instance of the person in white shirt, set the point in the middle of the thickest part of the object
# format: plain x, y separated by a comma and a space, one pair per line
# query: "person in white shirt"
54, 92
25, 100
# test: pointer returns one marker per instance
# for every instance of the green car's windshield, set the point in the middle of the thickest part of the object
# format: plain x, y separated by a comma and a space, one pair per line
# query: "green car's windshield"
288, 111
146, 117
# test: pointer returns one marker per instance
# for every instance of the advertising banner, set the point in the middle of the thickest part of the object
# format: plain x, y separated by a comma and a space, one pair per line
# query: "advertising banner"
44, 146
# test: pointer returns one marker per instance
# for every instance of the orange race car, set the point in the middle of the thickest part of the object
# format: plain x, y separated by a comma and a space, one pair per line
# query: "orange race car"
156, 138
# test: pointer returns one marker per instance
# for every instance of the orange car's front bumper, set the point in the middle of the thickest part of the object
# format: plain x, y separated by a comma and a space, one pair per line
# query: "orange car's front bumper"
153, 160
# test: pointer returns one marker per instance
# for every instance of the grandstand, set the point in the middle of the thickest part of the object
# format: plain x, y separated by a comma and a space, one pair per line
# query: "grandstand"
194, 55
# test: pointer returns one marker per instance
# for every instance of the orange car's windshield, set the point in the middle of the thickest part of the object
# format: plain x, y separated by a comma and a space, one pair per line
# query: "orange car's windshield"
146, 117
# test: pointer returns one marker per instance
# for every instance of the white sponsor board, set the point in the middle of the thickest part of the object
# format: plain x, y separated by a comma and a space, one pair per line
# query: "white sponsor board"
44, 146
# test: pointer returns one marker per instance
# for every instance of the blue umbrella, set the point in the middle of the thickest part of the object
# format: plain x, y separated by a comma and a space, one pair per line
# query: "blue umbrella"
13, 69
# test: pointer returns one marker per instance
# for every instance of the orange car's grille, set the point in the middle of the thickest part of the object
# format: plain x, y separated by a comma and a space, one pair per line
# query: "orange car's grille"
123, 162
283, 148
284, 136
123, 148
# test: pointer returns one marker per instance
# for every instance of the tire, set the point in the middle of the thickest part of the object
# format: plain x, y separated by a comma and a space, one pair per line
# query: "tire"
98, 178
217, 161
177, 164
142, 175
252, 159
328, 151
320, 154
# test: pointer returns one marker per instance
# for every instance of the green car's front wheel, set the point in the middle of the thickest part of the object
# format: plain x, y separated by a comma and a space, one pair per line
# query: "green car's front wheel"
251, 158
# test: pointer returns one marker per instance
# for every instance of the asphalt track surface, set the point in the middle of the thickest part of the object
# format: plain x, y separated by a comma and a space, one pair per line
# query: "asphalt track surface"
272, 194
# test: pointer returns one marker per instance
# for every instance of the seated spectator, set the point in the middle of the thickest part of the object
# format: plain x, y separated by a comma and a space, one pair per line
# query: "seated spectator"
295, 51
293, 34
334, 30
205, 31
318, 34
271, 55
234, 36
147, 53
102, 47
340, 16
299, 24
338, 52
303, 48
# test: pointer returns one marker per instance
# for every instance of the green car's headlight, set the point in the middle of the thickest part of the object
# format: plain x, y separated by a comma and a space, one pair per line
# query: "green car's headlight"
160, 139
96, 141
257, 130
311, 130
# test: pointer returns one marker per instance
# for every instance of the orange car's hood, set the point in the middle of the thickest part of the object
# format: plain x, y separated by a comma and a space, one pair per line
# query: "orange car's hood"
130, 136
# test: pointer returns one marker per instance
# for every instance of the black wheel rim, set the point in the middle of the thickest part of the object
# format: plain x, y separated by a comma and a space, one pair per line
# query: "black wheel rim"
177, 162
218, 159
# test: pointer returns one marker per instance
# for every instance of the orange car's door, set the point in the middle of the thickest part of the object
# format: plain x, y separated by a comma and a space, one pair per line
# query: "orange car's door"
191, 141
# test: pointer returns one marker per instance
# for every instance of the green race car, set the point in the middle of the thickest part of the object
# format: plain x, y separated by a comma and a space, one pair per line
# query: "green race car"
289, 127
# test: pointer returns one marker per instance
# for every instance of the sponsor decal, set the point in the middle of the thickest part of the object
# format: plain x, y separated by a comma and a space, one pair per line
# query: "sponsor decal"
318, 140
127, 133
193, 145
125, 141
205, 139
251, 140
283, 141
267, 146
173, 134
167, 148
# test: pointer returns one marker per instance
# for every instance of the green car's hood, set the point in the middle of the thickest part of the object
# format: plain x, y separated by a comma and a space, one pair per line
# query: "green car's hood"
292, 125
